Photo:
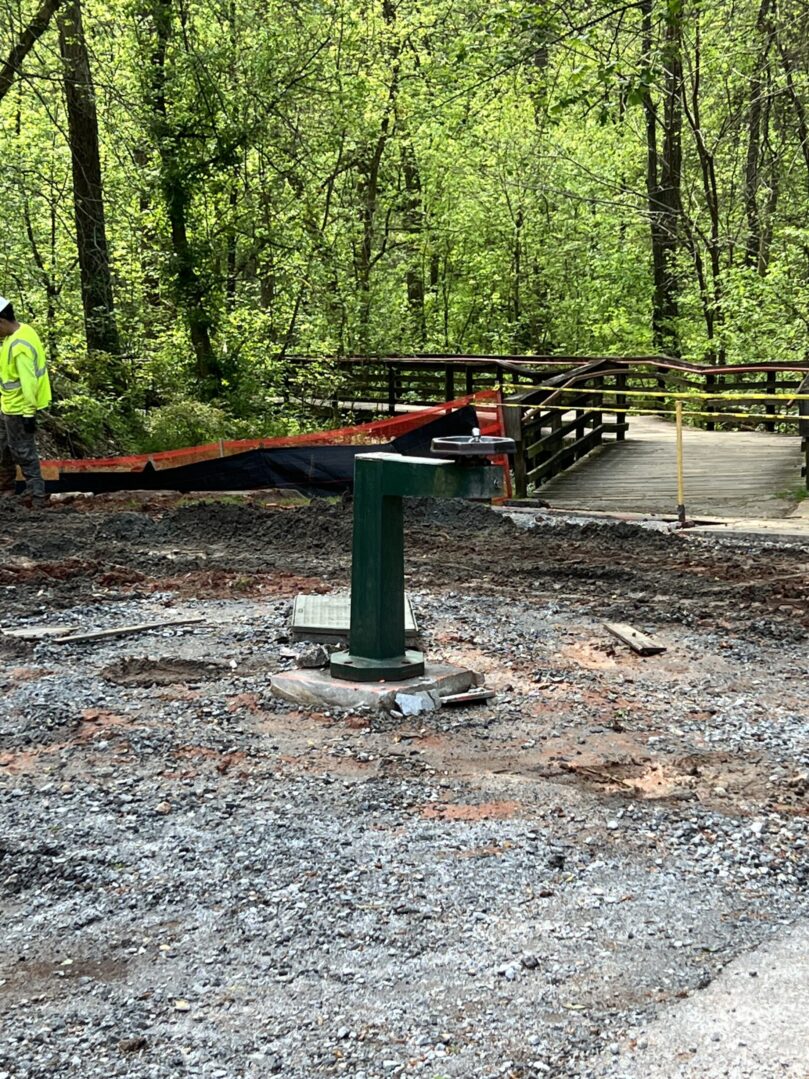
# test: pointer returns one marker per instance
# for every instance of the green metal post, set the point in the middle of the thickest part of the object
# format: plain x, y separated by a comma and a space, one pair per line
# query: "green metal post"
381, 480
377, 578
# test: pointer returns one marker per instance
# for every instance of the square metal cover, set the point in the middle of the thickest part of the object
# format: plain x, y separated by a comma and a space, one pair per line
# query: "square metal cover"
327, 618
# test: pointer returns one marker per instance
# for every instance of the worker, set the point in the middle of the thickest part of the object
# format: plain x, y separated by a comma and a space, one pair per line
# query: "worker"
25, 389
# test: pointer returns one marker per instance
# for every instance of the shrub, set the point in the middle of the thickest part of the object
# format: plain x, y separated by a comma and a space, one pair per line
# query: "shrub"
182, 423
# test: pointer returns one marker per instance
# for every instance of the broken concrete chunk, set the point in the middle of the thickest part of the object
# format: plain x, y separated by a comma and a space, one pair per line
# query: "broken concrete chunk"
413, 704
311, 658
318, 688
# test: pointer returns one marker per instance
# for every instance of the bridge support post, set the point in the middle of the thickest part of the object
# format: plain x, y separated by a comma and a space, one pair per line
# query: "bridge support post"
803, 430
621, 418
513, 427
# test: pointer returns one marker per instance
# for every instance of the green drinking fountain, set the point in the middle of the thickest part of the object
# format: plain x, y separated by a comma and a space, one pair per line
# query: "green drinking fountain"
461, 468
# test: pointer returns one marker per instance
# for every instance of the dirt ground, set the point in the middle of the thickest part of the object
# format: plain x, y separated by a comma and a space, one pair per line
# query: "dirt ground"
199, 548
196, 879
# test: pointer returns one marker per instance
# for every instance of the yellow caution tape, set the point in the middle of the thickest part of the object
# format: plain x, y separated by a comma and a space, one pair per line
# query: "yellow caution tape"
764, 417
696, 395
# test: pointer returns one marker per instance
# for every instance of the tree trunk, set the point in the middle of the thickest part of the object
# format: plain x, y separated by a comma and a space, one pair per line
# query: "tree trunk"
364, 257
663, 171
230, 280
148, 242
88, 201
714, 309
414, 224
793, 91
189, 287
29, 37
757, 122
370, 163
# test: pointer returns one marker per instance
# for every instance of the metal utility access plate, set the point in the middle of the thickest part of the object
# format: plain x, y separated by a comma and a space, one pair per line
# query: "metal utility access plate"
327, 618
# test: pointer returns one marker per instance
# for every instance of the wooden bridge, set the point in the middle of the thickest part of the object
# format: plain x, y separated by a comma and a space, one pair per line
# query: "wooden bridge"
597, 433
727, 473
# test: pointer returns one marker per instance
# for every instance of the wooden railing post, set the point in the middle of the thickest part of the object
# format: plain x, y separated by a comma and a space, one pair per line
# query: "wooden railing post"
769, 407
710, 382
513, 427
449, 382
581, 413
597, 413
803, 429
621, 418
556, 443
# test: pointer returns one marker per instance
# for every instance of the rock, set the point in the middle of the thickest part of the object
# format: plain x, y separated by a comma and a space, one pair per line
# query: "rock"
132, 1045
508, 971
314, 657
163, 808
414, 704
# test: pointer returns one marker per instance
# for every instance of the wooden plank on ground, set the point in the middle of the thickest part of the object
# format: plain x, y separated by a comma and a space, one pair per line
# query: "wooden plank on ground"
472, 696
124, 631
637, 641
36, 633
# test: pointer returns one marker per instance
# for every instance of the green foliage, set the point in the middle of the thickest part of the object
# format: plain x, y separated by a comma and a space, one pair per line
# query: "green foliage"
318, 179
189, 422
89, 423
184, 422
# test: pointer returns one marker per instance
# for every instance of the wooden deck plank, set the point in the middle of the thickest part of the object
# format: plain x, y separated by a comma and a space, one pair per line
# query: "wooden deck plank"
733, 473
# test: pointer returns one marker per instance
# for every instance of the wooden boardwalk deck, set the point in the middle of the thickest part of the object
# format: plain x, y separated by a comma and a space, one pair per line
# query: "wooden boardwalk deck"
727, 474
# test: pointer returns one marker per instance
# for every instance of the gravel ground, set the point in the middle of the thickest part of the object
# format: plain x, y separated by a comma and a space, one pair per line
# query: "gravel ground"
199, 880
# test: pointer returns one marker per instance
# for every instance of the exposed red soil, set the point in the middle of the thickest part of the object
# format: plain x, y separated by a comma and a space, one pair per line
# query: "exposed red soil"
480, 811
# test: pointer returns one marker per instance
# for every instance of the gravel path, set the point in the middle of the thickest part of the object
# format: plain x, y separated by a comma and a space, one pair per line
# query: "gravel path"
198, 880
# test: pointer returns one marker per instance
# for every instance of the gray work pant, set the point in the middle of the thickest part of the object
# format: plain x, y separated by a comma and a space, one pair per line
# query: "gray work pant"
17, 447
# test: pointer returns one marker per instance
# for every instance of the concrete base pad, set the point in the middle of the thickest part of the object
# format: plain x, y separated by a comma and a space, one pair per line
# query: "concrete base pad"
319, 689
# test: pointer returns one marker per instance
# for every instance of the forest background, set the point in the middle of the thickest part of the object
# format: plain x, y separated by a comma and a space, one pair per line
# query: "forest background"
196, 192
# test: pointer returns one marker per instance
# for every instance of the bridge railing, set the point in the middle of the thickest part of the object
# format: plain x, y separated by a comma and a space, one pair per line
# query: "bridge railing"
558, 424
560, 408
393, 383
575, 411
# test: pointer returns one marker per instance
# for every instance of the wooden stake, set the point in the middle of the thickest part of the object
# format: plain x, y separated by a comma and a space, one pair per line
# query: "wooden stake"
637, 641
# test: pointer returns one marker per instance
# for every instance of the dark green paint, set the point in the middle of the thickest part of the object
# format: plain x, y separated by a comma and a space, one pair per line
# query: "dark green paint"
381, 480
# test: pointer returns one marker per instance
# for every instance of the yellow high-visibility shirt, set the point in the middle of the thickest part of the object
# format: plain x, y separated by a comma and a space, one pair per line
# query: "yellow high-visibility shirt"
25, 386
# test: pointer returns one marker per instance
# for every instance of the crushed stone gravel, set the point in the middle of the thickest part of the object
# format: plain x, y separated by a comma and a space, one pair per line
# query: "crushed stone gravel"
197, 879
